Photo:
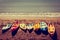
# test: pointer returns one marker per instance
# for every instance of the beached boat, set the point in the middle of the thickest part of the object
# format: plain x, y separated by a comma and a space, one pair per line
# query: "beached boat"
7, 26
29, 26
23, 26
36, 26
43, 26
15, 26
51, 29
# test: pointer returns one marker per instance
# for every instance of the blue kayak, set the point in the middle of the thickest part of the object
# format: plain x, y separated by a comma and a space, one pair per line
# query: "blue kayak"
43, 26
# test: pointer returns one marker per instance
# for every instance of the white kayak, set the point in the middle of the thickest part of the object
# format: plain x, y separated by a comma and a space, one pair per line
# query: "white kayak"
7, 26
29, 26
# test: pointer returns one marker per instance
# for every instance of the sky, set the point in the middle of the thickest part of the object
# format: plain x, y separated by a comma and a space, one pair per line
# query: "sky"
29, 6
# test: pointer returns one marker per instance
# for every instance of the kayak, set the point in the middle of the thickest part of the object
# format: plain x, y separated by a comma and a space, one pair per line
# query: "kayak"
15, 26
51, 29
29, 26
36, 26
23, 26
7, 26
43, 26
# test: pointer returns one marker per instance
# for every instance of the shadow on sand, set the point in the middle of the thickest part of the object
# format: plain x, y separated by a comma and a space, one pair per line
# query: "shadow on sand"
45, 32
24, 30
54, 37
38, 32
14, 32
30, 30
3, 31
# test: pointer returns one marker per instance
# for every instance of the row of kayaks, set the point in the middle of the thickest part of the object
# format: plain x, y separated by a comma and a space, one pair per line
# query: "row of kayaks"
35, 26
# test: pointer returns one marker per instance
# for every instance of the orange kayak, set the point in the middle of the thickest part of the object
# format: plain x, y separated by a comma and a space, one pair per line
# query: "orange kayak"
36, 26
51, 29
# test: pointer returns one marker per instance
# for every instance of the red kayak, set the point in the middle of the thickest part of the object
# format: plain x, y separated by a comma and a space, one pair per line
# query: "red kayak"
15, 26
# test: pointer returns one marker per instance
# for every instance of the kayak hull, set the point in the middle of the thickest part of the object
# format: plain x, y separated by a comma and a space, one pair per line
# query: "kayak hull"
14, 27
8, 26
51, 29
23, 26
29, 26
36, 27
43, 26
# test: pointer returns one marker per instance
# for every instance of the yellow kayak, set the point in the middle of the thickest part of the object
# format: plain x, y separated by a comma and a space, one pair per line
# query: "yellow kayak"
51, 29
36, 26
23, 26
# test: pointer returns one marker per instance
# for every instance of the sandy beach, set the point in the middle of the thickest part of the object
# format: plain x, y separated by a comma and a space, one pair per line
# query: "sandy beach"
21, 35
